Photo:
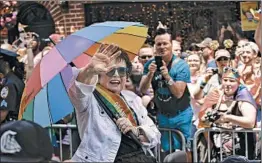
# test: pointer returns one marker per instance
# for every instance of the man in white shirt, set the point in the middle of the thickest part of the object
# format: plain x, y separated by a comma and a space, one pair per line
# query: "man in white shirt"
103, 138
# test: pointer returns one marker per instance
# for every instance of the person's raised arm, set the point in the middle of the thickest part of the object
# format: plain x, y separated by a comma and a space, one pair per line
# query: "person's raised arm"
149, 71
84, 80
198, 92
258, 34
28, 41
98, 64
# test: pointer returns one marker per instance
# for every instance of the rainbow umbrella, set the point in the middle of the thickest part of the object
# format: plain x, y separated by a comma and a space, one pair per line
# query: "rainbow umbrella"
53, 73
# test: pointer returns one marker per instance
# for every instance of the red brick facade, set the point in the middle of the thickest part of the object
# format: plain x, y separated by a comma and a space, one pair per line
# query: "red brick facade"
66, 22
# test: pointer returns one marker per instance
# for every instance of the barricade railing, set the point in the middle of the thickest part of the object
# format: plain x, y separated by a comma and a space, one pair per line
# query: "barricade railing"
179, 133
157, 151
220, 130
70, 127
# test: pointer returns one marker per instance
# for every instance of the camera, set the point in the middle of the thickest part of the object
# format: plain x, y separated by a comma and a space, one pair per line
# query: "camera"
215, 71
212, 116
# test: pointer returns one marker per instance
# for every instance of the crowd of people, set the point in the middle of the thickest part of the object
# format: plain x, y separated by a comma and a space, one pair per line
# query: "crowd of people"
213, 83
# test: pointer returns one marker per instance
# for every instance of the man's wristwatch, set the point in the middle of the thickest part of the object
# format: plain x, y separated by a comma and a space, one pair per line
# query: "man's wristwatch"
170, 82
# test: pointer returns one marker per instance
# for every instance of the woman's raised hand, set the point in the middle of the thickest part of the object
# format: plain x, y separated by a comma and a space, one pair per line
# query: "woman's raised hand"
100, 62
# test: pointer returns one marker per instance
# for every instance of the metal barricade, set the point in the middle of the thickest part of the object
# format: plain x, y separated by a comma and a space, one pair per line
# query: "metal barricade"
60, 127
157, 150
179, 133
220, 130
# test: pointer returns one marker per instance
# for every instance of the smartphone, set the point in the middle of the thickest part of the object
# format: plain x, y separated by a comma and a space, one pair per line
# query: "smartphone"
18, 43
159, 62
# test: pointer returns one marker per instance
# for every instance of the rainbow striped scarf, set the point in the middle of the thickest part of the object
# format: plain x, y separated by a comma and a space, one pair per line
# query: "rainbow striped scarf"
115, 103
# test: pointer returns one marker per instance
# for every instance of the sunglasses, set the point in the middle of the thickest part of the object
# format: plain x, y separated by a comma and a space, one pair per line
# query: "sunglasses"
226, 69
246, 44
122, 72
223, 59
146, 57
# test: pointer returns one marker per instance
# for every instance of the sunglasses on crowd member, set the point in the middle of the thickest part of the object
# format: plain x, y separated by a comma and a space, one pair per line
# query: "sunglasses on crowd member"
122, 72
226, 69
223, 59
146, 57
246, 44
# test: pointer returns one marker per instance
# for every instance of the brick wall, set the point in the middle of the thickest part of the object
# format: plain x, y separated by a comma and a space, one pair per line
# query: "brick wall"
66, 22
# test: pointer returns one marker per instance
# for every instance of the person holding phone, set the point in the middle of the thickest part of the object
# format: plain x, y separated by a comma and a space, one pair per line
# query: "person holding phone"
27, 46
169, 76
226, 32
213, 77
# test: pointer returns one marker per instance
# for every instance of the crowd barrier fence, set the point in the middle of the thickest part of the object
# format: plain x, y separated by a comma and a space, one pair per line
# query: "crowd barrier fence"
157, 151
181, 136
220, 130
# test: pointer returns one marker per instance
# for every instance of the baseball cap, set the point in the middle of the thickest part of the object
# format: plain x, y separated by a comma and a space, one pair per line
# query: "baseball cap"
222, 53
24, 141
205, 43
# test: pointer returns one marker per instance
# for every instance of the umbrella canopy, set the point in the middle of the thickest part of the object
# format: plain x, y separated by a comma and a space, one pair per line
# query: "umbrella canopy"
52, 103
76, 48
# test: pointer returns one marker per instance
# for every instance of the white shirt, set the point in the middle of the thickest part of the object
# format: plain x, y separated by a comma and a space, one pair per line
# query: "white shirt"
194, 104
100, 137
211, 84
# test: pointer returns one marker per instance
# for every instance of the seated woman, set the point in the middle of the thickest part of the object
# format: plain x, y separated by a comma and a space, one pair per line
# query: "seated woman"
230, 106
112, 122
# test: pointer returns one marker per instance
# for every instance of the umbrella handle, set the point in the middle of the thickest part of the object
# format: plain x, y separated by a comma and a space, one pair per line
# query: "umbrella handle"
52, 41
